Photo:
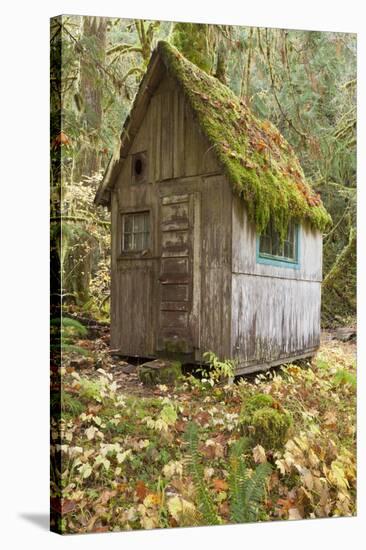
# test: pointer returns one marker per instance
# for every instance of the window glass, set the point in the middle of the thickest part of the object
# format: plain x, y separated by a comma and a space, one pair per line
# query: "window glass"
271, 246
135, 231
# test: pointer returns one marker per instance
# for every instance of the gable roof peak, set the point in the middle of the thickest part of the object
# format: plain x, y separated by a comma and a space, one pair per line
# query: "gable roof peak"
257, 160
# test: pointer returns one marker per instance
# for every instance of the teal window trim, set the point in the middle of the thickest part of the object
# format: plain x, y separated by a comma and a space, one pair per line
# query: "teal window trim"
278, 261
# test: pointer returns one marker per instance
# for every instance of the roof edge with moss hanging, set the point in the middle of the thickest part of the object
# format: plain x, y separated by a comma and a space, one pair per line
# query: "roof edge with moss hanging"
258, 161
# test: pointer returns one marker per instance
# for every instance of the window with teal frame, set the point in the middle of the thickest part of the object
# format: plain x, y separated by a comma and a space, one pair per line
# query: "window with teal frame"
272, 250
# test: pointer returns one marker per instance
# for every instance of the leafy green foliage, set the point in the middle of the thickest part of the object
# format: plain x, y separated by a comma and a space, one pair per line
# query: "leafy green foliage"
71, 404
192, 40
70, 327
64, 332
137, 457
217, 370
339, 286
343, 376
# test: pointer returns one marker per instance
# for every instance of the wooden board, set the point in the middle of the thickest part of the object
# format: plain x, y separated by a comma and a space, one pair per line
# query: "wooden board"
176, 275
273, 318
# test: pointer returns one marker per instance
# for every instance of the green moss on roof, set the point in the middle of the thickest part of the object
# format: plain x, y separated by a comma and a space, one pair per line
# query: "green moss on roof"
259, 162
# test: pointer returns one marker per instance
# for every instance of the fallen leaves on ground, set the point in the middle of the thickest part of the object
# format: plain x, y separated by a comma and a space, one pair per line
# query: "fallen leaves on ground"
123, 456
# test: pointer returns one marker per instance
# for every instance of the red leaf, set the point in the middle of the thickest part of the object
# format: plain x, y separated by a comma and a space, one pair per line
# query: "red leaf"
220, 485
141, 490
61, 139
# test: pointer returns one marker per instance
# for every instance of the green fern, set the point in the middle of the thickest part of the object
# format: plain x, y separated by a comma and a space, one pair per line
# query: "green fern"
206, 504
344, 377
246, 487
67, 403
64, 332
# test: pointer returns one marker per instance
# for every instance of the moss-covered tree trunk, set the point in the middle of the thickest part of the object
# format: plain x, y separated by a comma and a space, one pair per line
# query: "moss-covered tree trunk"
339, 287
90, 94
87, 159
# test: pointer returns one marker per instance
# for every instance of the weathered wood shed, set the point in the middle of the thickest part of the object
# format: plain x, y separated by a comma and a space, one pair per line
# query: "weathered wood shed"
216, 235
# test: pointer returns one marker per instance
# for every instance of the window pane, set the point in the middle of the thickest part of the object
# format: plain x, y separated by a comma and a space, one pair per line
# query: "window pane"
270, 243
276, 244
127, 242
146, 223
145, 241
135, 231
291, 233
128, 224
138, 223
265, 245
138, 241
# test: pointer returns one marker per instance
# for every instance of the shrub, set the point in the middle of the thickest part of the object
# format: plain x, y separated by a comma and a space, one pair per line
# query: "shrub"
265, 422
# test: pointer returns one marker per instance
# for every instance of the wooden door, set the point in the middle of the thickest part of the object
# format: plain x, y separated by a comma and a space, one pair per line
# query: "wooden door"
179, 279
137, 284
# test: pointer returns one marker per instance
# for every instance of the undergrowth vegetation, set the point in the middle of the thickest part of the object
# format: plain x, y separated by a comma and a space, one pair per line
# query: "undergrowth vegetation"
281, 446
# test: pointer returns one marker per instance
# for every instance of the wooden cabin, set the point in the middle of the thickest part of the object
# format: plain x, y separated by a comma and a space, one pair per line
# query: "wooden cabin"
216, 235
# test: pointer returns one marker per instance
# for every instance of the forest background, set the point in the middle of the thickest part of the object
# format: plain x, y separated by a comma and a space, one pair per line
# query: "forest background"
302, 81
31, 106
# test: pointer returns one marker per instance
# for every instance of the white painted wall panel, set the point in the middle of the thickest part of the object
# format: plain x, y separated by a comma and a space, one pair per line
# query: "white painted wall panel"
273, 318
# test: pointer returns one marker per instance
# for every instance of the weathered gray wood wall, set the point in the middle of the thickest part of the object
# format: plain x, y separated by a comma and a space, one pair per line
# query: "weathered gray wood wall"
199, 287
275, 310
176, 297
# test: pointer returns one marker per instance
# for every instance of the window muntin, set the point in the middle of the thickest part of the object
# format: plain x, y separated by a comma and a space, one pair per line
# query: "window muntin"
135, 232
271, 246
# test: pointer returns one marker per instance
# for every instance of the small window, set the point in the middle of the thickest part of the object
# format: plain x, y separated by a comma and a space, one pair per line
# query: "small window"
271, 246
135, 232
139, 168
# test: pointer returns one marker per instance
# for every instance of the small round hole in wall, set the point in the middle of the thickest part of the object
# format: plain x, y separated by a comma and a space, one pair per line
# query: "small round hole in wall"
138, 167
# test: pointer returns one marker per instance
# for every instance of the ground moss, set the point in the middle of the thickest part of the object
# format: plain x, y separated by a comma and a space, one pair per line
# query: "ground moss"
258, 161
167, 373
265, 422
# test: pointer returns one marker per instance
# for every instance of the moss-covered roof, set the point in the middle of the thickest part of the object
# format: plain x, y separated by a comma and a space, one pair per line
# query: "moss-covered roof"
258, 161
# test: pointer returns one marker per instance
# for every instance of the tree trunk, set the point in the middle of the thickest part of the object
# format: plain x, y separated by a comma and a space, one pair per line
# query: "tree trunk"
90, 93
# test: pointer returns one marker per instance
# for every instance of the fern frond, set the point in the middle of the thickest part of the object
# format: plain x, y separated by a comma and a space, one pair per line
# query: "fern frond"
245, 491
236, 480
253, 491
205, 501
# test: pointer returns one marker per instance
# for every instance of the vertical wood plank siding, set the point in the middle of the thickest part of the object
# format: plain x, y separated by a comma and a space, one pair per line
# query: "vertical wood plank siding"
275, 310
145, 312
